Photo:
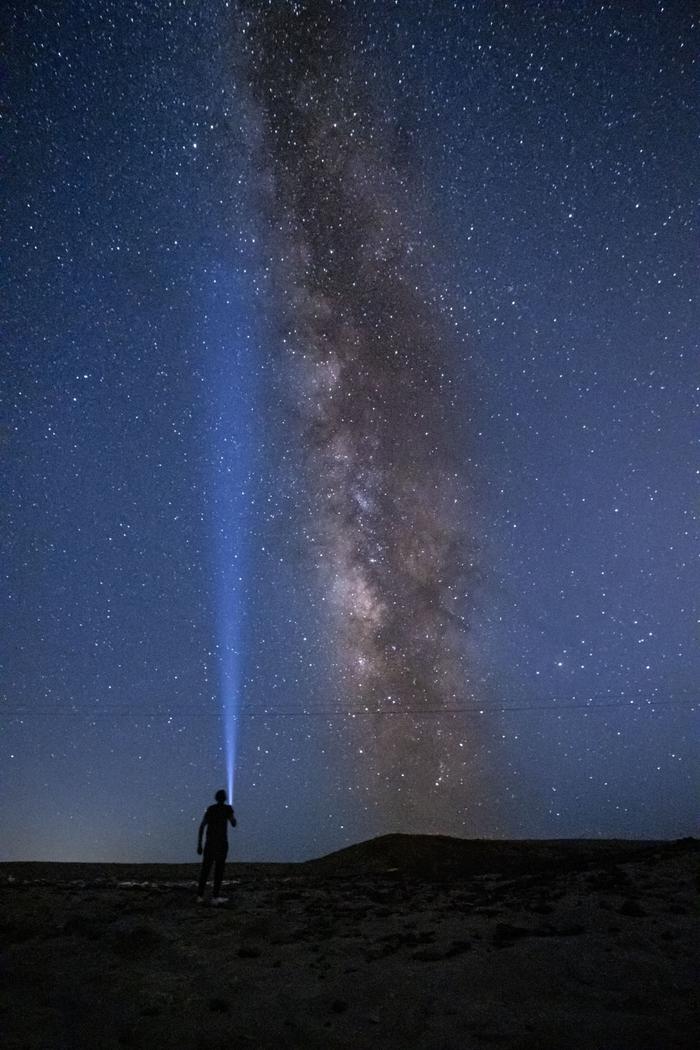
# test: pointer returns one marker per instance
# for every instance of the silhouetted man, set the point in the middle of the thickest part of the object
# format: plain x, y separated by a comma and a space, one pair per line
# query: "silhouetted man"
216, 821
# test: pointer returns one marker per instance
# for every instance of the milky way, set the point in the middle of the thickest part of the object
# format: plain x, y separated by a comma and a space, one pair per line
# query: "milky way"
371, 356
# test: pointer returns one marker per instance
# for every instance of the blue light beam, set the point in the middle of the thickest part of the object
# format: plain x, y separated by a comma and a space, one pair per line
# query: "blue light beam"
232, 397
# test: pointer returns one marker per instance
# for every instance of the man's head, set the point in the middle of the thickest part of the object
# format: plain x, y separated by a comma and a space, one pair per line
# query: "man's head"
220, 795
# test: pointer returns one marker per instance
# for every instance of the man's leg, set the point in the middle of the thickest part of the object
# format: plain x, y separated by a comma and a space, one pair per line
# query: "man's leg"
207, 861
219, 862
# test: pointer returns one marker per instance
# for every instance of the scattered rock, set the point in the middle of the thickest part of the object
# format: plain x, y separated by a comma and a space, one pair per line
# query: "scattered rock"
632, 908
248, 951
506, 931
458, 948
219, 1005
140, 968
571, 929
429, 954
132, 939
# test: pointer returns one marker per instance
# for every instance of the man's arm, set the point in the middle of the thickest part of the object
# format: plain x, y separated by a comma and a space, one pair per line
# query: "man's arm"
200, 833
232, 818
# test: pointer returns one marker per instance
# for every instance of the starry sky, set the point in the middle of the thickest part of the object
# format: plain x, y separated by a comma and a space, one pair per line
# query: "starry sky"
348, 378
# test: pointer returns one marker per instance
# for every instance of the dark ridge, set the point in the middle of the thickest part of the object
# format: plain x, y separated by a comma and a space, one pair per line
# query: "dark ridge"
422, 856
440, 855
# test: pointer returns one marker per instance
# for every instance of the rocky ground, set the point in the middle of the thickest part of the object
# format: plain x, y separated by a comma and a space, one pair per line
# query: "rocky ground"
406, 942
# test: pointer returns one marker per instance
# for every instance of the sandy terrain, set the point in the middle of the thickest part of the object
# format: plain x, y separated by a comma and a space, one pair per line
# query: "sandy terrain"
403, 942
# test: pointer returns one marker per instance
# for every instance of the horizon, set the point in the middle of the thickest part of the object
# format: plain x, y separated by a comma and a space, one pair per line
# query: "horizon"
233, 860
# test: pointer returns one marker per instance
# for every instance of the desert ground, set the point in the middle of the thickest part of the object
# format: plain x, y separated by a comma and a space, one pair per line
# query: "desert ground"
401, 942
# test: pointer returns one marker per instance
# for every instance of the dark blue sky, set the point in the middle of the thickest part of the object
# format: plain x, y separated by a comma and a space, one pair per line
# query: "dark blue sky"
350, 355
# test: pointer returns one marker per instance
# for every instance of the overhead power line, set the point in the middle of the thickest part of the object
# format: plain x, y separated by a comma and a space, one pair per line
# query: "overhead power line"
551, 707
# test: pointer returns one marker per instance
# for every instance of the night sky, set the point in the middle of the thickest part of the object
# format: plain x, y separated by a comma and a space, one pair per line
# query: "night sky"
348, 375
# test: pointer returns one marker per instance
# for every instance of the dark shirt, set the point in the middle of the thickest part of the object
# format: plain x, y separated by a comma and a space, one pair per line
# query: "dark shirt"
217, 818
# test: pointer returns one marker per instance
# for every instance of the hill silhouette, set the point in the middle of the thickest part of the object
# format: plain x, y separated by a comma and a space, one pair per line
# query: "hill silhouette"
444, 856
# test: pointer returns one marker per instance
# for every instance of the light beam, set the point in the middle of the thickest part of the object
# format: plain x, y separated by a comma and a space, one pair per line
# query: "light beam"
231, 374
